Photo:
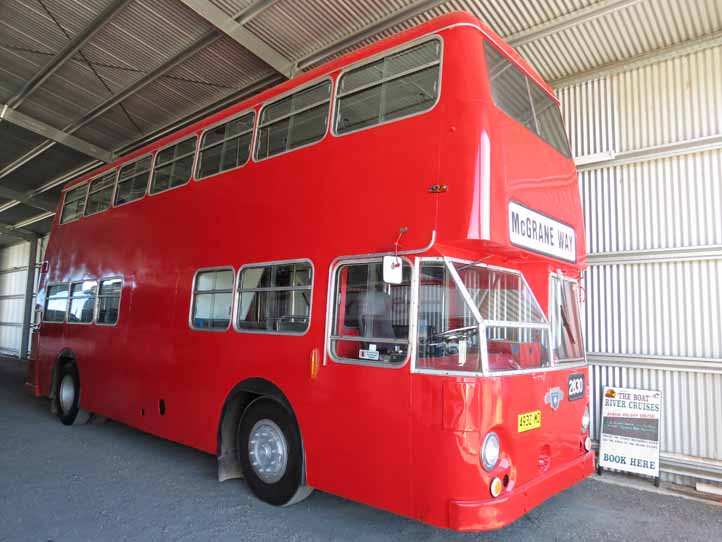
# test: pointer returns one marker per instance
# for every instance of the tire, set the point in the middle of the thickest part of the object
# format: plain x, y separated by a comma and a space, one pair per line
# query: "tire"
271, 454
67, 393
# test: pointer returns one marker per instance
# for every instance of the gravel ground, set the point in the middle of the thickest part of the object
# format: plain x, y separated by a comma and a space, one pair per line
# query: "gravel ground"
111, 482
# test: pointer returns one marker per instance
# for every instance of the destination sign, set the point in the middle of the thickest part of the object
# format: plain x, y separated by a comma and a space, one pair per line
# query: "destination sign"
539, 233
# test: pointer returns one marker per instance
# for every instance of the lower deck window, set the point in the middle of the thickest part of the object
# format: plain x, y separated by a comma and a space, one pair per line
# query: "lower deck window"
275, 298
371, 319
212, 299
109, 301
56, 303
82, 302
457, 301
565, 320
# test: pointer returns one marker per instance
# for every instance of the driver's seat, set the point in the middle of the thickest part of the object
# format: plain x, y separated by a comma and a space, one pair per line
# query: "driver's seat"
375, 315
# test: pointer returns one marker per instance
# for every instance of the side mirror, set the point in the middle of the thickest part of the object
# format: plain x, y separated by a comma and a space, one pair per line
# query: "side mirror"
393, 270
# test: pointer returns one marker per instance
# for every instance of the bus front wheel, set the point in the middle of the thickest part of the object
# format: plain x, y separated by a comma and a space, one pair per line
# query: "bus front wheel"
271, 453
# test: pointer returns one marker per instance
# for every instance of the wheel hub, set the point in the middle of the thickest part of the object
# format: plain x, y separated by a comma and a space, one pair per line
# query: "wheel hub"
268, 451
67, 393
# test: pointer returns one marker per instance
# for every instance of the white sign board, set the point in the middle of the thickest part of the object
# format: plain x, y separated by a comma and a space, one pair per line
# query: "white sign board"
630, 431
540, 233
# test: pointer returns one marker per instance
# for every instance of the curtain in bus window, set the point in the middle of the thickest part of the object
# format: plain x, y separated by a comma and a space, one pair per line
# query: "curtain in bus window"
565, 320
109, 301
173, 166
397, 86
525, 101
226, 146
73, 204
82, 302
100, 193
294, 121
371, 319
132, 181
275, 298
56, 303
448, 333
212, 299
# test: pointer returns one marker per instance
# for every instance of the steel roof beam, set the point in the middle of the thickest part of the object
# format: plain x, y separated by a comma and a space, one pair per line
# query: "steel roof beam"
369, 31
67, 52
645, 59
247, 14
242, 36
36, 126
115, 100
20, 233
570, 20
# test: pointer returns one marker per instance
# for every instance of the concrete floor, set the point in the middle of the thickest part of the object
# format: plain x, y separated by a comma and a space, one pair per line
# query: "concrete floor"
111, 482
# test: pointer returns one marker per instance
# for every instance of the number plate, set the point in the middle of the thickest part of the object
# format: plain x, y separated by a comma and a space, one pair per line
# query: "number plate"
529, 421
575, 386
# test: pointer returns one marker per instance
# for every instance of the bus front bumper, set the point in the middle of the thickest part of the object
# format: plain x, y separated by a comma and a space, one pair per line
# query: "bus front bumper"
495, 513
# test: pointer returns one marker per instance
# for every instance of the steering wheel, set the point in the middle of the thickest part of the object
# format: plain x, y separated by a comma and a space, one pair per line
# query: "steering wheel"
456, 333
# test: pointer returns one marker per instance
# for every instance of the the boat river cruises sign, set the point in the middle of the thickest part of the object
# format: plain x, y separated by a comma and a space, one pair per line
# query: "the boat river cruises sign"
540, 233
630, 431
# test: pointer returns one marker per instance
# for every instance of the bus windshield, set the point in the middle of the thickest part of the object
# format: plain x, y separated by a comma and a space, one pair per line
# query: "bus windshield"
474, 318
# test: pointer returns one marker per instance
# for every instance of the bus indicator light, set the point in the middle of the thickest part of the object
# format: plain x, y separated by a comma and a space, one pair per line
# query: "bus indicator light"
314, 363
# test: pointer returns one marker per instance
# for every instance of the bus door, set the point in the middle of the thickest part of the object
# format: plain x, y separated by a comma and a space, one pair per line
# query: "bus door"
366, 387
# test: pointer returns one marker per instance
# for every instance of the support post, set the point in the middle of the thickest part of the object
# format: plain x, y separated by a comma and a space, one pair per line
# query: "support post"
29, 308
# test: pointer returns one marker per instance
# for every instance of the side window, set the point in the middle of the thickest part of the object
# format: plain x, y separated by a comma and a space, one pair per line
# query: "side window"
100, 193
275, 298
109, 301
293, 121
371, 318
524, 101
173, 166
394, 87
226, 146
82, 302
565, 320
74, 203
132, 181
56, 303
212, 299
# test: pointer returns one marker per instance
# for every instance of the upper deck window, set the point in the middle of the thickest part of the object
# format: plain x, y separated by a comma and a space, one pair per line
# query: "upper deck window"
294, 121
74, 203
132, 181
397, 86
100, 193
226, 146
173, 165
525, 101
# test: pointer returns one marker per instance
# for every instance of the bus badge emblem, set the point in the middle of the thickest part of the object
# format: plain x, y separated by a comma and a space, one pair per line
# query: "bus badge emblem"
553, 398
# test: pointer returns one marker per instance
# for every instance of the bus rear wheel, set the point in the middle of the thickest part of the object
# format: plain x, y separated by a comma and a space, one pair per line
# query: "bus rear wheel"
68, 393
271, 454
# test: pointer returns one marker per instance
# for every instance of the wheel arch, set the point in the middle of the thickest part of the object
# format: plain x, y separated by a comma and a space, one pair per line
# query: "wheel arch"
236, 402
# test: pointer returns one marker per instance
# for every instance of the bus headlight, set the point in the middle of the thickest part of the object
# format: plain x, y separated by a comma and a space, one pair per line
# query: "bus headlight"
489, 454
585, 419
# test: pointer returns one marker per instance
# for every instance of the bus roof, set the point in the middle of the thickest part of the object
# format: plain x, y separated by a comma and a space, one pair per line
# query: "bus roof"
458, 18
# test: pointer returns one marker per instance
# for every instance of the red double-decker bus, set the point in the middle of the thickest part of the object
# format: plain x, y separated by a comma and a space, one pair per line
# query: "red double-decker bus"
363, 281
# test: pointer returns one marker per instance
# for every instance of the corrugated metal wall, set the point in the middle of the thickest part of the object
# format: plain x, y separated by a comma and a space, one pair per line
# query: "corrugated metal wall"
13, 281
654, 228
